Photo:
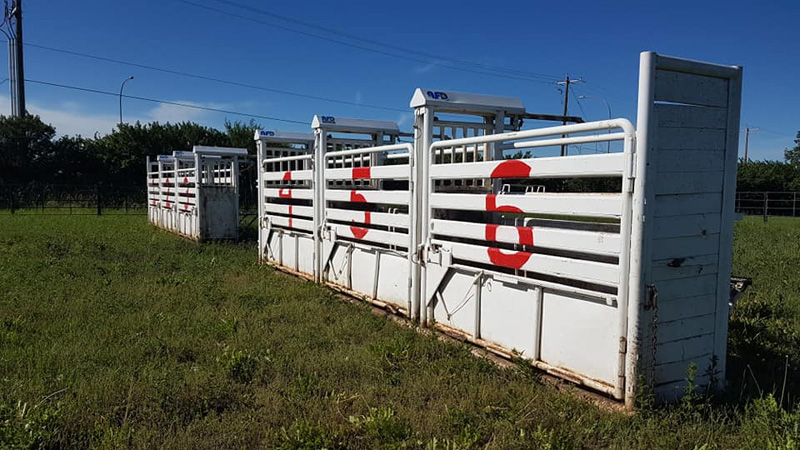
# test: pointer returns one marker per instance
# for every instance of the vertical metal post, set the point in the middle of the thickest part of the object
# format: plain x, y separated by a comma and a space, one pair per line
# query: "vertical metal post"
414, 211
318, 188
20, 59
16, 62
198, 204
746, 142
99, 210
626, 225
413, 268
175, 205
478, 292
12, 77
159, 210
259, 196
646, 125
426, 311
766, 205
537, 343
566, 107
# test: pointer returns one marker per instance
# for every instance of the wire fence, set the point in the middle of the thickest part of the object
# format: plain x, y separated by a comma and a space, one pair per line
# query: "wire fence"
767, 204
53, 199
95, 199
99, 199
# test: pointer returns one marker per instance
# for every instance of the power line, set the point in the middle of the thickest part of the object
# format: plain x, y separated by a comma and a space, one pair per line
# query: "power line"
387, 45
360, 47
4, 80
208, 78
580, 105
165, 102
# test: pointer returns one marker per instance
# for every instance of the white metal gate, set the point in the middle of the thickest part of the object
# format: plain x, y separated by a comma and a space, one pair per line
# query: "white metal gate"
367, 241
542, 275
196, 194
286, 234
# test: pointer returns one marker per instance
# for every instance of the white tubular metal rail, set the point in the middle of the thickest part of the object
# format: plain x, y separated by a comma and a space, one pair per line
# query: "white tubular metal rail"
540, 274
196, 194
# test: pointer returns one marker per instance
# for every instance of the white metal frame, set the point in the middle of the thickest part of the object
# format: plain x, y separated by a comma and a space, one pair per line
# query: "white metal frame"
285, 183
605, 165
196, 194
526, 280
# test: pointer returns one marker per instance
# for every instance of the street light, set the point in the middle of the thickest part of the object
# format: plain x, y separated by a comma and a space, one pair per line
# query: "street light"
122, 86
608, 150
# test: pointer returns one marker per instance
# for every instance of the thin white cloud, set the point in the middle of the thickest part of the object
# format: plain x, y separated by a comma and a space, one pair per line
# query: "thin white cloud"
404, 118
70, 118
174, 113
425, 69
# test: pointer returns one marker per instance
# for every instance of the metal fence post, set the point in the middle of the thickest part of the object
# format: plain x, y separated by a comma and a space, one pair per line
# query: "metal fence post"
794, 204
766, 205
99, 210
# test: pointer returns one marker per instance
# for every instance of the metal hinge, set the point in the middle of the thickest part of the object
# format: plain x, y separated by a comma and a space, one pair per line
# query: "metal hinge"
632, 171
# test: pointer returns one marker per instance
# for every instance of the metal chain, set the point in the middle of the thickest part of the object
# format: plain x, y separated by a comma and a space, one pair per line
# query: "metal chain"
653, 304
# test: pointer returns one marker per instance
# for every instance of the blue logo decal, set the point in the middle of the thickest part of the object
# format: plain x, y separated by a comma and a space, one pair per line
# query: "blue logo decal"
267, 133
328, 119
437, 95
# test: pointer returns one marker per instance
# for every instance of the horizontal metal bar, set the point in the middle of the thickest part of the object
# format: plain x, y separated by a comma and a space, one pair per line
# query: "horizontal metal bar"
294, 175
393, 172
573, 269
381, 148
375, 218
568, 204
287, 158
366, 234
367, 196
594, 242
604, 165
624, 124
571, 140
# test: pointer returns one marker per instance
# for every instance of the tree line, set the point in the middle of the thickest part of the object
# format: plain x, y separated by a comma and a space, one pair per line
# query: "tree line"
30, 152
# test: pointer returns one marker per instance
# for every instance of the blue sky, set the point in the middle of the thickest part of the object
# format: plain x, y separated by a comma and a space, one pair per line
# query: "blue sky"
597, 41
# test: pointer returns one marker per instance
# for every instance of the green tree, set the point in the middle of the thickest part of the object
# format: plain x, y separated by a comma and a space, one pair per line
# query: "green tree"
768, 176
241, 135
25, 142
793, 156
123, 152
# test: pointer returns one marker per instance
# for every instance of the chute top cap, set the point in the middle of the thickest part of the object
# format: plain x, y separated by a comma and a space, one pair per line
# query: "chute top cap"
347, 125
286, 137
219, 151
460, 102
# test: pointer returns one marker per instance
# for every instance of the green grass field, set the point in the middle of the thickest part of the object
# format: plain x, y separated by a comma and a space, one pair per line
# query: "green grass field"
114, 334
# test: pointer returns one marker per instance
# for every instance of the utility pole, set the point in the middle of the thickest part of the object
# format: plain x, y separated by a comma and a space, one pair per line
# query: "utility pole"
16, 66
747, 131
566, 83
